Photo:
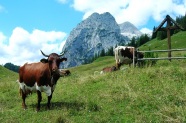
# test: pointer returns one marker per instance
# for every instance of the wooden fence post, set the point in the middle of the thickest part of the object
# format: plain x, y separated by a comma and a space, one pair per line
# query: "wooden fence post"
169, 38
137, 57
133, 57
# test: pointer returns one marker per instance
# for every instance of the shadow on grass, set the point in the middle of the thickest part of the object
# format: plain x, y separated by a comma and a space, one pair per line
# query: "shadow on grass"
74, 105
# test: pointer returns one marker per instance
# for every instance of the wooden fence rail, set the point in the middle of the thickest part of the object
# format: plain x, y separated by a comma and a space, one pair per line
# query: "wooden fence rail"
162, 50
161, 58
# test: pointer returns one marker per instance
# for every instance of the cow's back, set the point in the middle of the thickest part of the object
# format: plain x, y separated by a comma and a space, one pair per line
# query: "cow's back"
32, 73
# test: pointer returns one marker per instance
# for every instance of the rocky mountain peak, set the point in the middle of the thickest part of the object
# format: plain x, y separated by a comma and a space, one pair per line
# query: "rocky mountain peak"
96, 33
129, 30
101, 21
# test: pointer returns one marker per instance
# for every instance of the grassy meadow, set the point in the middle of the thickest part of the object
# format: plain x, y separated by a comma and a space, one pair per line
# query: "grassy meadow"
148, 94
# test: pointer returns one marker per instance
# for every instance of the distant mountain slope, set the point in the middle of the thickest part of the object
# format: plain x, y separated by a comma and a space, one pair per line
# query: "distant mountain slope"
129, 30
91, 36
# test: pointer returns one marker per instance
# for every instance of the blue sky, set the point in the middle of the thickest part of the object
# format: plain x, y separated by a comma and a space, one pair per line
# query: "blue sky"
38, 14
26, 26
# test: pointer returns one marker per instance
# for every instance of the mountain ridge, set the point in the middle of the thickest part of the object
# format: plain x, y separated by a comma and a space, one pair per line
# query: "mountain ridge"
129, 30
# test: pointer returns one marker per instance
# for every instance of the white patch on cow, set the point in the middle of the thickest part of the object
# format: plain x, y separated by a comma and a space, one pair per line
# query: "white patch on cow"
25, 88
46, 89
122, 47
101, 72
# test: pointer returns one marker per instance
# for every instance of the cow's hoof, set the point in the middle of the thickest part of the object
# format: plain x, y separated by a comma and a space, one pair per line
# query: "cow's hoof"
48, 106
37, 109
24, 107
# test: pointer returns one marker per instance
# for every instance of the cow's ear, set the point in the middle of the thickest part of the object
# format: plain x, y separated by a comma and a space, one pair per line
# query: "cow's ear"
44, 60
63, 59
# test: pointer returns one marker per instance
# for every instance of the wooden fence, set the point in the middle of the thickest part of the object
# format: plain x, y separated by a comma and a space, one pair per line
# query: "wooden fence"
160, 58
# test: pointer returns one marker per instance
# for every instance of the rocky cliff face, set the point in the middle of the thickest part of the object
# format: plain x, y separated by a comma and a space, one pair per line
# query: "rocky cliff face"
129, 30
90, 37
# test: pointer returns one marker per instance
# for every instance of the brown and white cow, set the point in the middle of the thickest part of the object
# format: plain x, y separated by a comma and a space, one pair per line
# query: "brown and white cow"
125, 55
108, 69
40, 77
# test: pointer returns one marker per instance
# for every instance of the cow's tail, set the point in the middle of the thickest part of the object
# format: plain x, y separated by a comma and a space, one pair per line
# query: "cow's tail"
20, 91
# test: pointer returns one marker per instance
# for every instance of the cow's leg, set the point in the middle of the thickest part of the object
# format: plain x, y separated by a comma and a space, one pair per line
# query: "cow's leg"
38, 100
23, 98
48, 103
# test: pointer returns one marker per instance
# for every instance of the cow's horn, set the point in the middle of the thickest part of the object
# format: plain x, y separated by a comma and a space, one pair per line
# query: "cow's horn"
44, 54
62, 53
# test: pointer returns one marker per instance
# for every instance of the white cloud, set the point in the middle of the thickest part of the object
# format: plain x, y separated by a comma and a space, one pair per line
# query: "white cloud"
137, 12
23, 46
146, 31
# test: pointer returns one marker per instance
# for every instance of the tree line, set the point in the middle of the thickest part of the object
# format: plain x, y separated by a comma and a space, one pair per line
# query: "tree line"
12, 67
138, 41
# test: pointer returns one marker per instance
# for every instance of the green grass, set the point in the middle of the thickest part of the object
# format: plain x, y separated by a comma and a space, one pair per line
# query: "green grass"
149, 94
135, 95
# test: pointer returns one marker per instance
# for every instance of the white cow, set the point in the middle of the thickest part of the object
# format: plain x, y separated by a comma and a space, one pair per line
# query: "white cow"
124, 58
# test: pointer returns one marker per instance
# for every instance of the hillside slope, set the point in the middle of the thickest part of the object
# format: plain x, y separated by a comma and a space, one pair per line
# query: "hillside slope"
177, 41
6, 74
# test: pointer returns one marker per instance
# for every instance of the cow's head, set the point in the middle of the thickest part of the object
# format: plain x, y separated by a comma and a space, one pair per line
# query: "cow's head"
53, 61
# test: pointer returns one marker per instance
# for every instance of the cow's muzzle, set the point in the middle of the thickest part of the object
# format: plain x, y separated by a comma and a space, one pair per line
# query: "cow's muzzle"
55, 71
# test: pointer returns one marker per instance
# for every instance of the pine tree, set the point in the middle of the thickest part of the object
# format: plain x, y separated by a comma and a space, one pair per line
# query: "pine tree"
153, 33
102, 53
142, 40
161, 35
133, 42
